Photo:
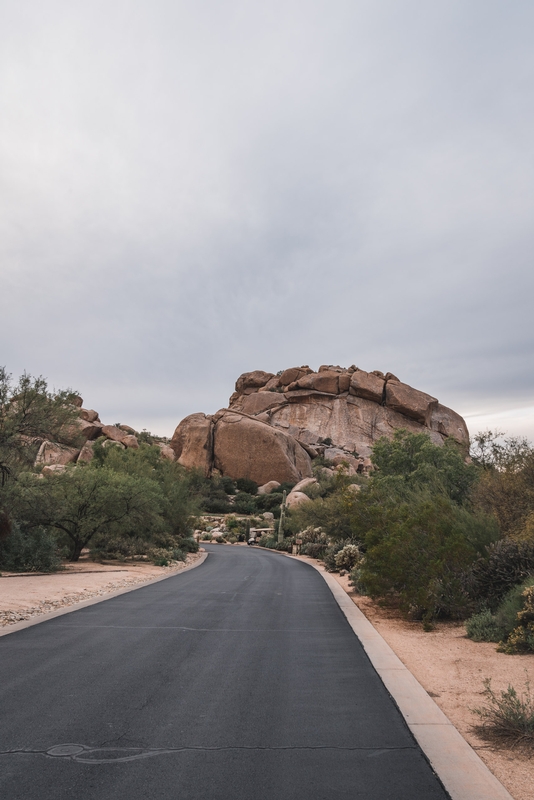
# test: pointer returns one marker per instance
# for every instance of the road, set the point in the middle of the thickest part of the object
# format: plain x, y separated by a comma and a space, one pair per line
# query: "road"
238, 680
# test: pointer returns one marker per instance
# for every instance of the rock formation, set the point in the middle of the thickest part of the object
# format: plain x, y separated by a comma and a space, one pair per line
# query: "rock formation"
78, 440
276, 424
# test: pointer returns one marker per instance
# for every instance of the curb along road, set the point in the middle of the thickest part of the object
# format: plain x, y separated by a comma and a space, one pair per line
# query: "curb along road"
91, 601
461, 770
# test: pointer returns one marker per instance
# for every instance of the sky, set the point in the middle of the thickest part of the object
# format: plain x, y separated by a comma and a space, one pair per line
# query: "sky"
193, 189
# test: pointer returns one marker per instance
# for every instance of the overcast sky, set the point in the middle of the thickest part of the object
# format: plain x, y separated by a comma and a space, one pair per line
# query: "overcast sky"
192, 190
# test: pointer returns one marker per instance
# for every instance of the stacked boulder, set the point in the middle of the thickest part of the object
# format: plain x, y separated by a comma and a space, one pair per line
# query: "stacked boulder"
78, 441
276, 424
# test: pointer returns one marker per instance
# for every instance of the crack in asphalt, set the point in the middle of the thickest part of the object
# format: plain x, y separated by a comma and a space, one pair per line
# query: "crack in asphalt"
200, 630
82, 754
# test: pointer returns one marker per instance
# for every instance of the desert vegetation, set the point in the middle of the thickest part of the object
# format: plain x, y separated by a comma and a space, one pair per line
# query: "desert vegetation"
124, 503
439, 535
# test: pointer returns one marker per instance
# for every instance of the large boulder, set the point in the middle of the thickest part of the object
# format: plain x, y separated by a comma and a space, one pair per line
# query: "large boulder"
166, 451
268, 487
448, 423
113, 432
366, 385
251, 381
296, 499
192, 443
276, 424
89, 415
86, 453
53, 453
410, 402
244, 447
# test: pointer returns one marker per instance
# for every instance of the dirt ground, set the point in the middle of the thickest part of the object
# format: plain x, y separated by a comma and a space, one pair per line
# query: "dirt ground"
452, 668
448, 665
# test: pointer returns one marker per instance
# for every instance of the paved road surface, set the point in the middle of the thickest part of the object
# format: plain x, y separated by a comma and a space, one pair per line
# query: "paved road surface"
238, 680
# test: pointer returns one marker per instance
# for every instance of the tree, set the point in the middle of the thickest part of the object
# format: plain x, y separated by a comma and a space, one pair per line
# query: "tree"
83, 502
412, 460
29, 413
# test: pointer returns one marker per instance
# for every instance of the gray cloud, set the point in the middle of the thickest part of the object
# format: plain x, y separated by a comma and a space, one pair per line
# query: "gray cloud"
193, 190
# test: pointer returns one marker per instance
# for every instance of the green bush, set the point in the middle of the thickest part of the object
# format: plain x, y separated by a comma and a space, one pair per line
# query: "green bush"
506, 565
507, 715
418, 552
521, 639
348, 557
482, 627
247, 485
244, 503
34, 550
330, 553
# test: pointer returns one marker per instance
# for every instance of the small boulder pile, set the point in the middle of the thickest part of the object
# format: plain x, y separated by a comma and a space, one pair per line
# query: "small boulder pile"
78, 442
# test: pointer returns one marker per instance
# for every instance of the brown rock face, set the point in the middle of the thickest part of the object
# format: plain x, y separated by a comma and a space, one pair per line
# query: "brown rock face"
366, 385
252, 380
193, 443
410, 402
113, 433
53, 453
244, 447
336, 412
89, 415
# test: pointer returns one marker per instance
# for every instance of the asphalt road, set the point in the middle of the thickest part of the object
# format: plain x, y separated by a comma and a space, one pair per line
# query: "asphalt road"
238, 680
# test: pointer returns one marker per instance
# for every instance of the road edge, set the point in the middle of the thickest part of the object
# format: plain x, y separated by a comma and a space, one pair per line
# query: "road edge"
462, 772
91, 601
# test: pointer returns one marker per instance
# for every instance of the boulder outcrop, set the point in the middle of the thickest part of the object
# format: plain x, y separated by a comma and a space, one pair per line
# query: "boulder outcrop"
276, 424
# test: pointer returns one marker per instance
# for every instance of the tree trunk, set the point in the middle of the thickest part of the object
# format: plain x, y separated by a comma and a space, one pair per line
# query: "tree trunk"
77, 548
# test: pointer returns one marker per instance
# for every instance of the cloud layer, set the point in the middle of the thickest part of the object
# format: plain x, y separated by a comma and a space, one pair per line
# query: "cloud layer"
195, 189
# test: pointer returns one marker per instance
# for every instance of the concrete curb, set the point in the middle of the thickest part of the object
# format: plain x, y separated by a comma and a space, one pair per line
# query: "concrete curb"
462, 772
91, 601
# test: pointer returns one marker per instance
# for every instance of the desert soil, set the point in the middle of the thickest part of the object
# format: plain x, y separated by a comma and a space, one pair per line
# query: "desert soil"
448, 665
452, 668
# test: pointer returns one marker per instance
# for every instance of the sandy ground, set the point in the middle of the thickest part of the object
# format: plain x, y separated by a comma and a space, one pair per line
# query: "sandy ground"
28, 595
449, 665
452, 668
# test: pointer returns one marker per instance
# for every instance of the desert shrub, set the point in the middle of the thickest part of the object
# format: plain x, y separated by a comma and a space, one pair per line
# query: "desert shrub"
246, 485
34, 550
267, 541
228, 484
206, 537
330, 553
215, 505
314, 549
348, 557
244, 503
507, 564
512, 604
219, 539
162, 557
414, 460
285, 487
418, 550
231, 538
521, 639
482, 627
507, 715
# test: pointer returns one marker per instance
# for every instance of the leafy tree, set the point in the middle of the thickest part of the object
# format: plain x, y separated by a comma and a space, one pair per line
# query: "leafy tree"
29, 413
506, 486
419, 550
83, 502
413, 461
